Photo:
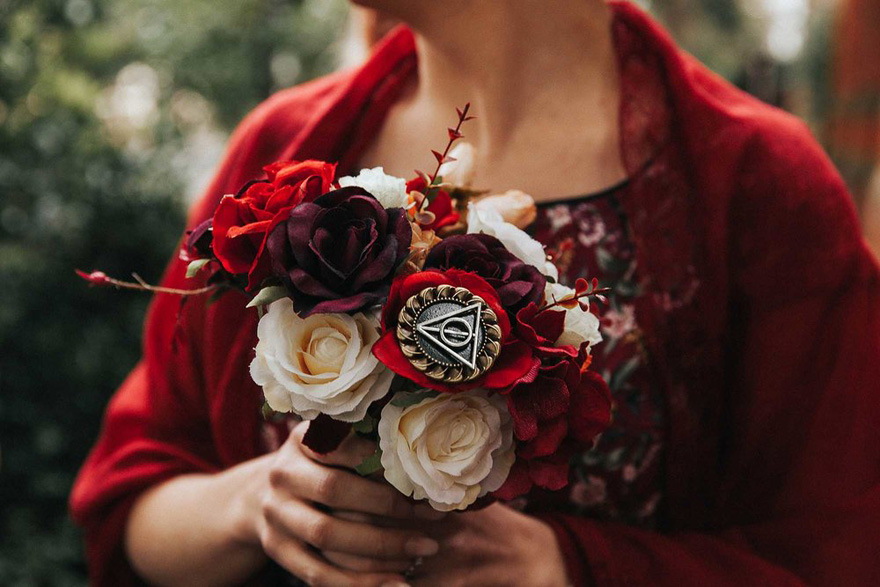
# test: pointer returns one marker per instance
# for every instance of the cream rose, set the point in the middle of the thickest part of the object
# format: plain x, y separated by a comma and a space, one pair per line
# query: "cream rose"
449, 449
487, 220
389, 190
322, 364
580, 325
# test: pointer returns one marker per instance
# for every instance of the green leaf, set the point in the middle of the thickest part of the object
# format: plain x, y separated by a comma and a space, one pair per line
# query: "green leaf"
404, 399
365, 426
267, 295
371, 464
195, 266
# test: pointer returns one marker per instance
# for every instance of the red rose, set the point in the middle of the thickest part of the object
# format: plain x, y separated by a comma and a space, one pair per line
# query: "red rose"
440, 206
241, 222
515, 363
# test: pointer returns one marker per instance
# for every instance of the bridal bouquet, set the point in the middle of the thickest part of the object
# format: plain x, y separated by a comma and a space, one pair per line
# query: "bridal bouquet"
416, 313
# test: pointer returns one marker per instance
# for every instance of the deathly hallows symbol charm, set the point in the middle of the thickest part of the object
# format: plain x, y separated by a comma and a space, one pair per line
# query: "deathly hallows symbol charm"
449, 333
456, 332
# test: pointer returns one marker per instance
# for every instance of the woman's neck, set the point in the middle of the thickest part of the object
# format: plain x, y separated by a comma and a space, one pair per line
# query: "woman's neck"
517, 61
542, 82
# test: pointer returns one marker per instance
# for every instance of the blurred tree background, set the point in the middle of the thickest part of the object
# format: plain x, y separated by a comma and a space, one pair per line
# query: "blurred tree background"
112, 115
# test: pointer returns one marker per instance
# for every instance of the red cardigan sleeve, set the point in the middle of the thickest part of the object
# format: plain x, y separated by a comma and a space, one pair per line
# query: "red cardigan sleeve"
158, 424
799, 500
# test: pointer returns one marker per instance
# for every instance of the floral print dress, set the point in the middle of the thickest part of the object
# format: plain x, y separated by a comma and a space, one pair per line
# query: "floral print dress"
620, 478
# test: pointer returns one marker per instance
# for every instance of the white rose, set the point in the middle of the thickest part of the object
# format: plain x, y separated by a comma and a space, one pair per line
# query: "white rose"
580, 325
322, 364
487, 220
389, 190
462, 171
450, 449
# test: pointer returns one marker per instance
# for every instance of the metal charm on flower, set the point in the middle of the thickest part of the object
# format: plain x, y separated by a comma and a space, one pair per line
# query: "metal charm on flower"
449, 333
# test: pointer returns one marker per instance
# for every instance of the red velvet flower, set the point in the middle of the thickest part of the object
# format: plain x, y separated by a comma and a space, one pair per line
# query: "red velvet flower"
563, 385
548, 473
541, 330
441, 206
563, 405
242, 222
515, 363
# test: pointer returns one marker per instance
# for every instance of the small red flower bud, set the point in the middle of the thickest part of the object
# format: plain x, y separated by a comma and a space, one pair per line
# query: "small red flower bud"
95, 277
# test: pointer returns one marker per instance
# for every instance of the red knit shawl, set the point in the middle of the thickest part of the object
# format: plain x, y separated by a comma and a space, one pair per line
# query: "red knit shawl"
761, 312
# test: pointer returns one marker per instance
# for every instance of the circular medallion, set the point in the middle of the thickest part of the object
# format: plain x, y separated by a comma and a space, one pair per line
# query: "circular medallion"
449, 333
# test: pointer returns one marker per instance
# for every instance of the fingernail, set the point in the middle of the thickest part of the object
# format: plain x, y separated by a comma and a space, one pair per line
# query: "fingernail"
426, 512
421, 547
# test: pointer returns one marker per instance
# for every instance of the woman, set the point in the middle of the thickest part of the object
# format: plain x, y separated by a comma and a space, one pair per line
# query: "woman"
742, 344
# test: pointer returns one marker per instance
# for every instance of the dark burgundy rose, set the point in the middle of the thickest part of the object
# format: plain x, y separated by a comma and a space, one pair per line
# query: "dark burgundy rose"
339, 253
517, 283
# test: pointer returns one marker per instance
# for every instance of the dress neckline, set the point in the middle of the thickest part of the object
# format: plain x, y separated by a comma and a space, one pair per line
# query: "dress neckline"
604, 192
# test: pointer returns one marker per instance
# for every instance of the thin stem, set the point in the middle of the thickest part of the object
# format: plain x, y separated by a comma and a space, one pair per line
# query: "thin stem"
100, 279
454, 135
143, 285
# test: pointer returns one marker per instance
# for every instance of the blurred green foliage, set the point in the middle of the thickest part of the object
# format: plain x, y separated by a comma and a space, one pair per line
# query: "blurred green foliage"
103, 108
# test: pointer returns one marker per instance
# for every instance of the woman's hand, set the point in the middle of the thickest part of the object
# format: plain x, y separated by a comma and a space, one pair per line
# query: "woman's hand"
494, 546
294, 524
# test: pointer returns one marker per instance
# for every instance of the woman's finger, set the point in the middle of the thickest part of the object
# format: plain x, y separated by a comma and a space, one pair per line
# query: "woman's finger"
327, 533
383, 522
307, 566
343, 490
362, 564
